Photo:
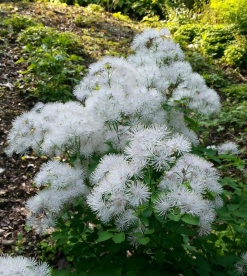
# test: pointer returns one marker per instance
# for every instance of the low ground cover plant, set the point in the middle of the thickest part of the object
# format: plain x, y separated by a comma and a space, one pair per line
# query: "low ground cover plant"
54, 56
129, 187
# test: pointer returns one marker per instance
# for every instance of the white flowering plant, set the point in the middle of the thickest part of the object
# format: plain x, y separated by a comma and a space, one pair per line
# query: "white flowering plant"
130, 196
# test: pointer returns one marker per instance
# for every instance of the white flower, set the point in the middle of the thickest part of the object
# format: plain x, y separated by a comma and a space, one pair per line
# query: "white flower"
138, 193
228, 147
213, 147
240, 268
162, 204
125, 220
2, 170
64, 183
18, 265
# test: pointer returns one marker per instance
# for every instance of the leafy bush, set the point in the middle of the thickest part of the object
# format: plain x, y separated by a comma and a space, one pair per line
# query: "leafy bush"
52, 62
231, 12
136, 194
188, 32
136, 9
236, 53
215, 40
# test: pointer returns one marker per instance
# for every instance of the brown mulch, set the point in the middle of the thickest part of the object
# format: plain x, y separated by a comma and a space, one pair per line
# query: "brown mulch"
16, 181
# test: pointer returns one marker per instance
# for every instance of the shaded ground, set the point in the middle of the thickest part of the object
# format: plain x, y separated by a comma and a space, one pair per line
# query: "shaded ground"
16, 184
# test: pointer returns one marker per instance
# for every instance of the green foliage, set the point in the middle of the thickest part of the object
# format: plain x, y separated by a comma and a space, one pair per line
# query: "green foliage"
236, 93
120, 16
215, 38
236, 53
87, 21
188, 32
230, 12
136, 9
216, 79
18, 22
52, 62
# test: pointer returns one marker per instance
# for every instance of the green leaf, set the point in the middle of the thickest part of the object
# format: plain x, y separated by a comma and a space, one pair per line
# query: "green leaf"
223, 214
104, 236
149, 231
232, 207
174, 217
241, 213
159, 256
190, 219
144, 240
239, 229
118, 238
147, 212
243, 204
138, 234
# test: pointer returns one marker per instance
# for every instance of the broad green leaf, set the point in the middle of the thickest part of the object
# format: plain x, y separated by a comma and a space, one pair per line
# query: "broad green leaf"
147, 212
232, 207
103, 236
159, 256
223, 214
138, 234
149, 231
241, 213
190, 219
144, 240
243, 204
239, 229
118, 238
174, 217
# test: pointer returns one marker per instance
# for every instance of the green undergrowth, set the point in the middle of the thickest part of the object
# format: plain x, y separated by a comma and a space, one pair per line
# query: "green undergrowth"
54, 61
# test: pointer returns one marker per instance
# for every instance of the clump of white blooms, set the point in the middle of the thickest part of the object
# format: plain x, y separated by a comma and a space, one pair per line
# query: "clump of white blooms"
133, 105
241, 266
22, 266
119, 189
64, 185
2, 170
118, 91
228, 147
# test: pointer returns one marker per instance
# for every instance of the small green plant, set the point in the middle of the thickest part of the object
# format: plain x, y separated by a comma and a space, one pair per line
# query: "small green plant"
53, 63
18, 23
121, 17
87, 21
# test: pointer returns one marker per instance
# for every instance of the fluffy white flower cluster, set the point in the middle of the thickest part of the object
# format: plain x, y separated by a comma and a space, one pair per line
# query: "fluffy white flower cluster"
22, 266
119, 189
185, 186
118, 97
64, 185
118, 92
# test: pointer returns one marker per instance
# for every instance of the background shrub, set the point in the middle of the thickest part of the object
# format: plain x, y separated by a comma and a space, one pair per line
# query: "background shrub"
230, 12
236, 53
215, 40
